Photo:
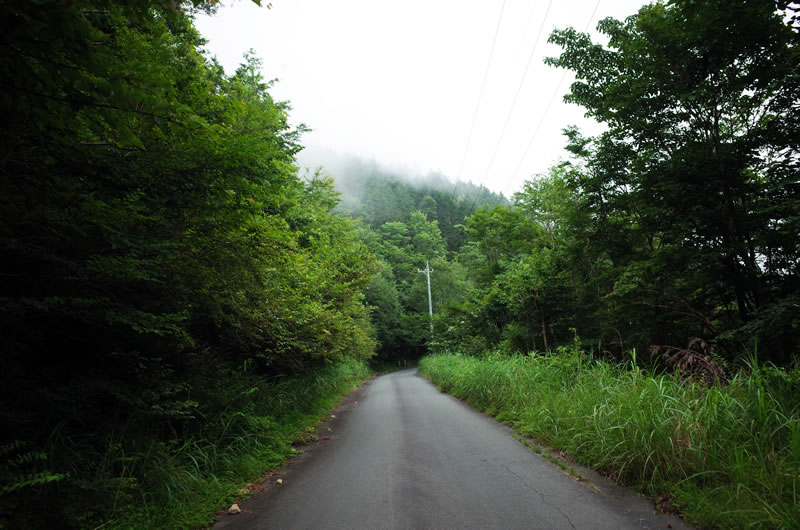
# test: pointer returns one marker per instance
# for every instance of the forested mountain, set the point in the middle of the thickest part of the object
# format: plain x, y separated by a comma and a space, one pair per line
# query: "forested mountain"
377, 194
406, 222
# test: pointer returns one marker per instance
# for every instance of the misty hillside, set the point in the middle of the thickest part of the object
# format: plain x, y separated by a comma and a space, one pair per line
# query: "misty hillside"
378, 193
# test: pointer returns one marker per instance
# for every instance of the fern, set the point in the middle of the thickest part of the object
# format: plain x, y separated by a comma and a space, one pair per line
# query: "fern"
19, 468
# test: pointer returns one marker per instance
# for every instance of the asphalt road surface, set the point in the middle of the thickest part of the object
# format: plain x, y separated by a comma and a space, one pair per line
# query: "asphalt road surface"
400, 454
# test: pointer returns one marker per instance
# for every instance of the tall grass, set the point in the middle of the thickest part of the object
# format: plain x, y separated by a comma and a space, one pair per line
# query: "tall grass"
140, 478
730, 455
253, 433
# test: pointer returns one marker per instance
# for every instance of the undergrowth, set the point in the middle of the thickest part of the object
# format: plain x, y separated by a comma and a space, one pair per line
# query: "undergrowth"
138, 478
729, 455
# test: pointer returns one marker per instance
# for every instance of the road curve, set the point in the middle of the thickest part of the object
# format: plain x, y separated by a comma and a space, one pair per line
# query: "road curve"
404, 455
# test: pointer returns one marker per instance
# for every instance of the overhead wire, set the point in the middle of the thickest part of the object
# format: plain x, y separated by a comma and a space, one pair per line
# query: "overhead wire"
514, 102
547, 109
480, 98
536, 131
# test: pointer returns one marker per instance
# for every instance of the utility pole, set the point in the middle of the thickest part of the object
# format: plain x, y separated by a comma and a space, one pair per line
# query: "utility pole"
427, 272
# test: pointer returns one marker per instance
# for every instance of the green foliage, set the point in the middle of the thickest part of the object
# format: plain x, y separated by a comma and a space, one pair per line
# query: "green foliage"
399, 294
377, 196
154, 236
406, 222
728, 454
521, 262
679, 221
693, 186
22, 470
248, 428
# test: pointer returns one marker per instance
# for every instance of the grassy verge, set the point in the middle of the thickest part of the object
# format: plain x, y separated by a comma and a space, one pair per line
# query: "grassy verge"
139, 474
192, 478
728, 456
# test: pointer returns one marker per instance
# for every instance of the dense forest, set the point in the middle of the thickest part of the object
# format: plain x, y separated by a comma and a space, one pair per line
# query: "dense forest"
177, 293
160, 259
680, 221
407, 222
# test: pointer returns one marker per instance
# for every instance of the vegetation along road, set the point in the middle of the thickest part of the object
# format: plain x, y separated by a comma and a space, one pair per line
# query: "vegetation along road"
404, 455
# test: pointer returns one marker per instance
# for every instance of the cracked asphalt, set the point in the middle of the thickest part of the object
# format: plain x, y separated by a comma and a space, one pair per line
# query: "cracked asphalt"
401, 454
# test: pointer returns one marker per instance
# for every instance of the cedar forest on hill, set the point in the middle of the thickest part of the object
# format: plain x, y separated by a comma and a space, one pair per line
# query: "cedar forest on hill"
178, 304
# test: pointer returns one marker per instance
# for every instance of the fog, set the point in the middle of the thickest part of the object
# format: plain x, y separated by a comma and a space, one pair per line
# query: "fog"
353, 174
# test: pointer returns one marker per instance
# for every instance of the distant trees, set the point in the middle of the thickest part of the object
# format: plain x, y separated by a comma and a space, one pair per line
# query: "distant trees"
398, 294
406, 222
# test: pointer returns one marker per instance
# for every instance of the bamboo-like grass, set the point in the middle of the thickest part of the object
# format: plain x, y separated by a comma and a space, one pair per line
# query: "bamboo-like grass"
729, 455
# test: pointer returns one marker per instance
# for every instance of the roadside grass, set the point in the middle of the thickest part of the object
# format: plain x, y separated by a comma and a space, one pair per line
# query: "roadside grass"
246, 428
729, 455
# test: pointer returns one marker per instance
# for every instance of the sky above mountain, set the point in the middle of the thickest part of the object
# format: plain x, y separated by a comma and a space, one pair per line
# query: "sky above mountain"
452, 87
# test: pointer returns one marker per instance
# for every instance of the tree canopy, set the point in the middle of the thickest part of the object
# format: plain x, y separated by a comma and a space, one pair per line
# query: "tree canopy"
680, 221
155, 237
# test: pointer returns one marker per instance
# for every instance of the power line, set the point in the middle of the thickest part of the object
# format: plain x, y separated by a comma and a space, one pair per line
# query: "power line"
516, 96
536, 131
480, 98
547, 109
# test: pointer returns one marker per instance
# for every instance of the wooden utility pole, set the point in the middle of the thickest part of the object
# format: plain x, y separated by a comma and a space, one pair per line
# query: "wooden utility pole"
427, 272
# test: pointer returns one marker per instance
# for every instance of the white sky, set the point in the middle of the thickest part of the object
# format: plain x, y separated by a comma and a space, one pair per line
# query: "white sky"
399, 82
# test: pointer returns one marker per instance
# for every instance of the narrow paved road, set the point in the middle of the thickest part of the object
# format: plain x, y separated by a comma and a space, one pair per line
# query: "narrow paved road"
404, 455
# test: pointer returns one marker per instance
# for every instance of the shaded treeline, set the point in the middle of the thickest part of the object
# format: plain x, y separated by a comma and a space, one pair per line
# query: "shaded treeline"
681, 221
159, 258
376, 194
